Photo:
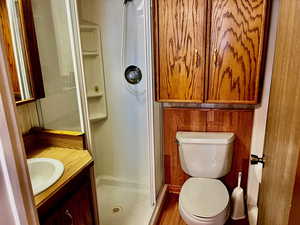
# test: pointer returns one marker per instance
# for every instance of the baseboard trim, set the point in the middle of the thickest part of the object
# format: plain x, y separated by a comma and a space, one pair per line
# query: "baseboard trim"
159, 205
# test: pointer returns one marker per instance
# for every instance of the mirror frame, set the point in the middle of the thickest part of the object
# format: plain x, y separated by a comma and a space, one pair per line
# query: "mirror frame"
31, 48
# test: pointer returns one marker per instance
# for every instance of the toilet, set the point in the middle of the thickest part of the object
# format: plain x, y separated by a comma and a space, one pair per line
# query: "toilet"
205, 156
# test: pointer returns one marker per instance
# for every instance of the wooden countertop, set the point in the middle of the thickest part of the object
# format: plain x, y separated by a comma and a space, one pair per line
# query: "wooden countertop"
74, 161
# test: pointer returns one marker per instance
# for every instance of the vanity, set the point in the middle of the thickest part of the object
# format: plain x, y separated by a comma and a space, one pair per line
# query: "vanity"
70, 199
44, 85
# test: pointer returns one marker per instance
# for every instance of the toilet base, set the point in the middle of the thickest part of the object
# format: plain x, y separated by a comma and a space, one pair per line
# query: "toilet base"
220, 219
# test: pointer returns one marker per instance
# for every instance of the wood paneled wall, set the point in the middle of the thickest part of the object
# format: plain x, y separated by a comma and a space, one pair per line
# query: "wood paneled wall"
27, 116
239, 122
178, 120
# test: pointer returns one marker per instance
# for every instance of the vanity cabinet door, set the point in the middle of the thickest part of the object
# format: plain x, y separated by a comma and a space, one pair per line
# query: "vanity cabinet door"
75, 210
79, 209
236, 50
57, 218
180, 40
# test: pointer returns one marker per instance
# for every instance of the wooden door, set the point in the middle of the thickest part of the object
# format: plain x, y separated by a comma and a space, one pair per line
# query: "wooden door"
283, 127
180, 40
236, 49
294, 217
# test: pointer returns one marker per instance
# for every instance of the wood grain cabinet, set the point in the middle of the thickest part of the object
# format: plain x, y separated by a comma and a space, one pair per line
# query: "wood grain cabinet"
77, 210
24, 63
71, 206
79, 207
209, 50
180, 49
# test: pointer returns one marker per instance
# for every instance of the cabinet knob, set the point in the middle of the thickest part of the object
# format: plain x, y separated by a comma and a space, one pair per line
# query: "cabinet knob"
68, 214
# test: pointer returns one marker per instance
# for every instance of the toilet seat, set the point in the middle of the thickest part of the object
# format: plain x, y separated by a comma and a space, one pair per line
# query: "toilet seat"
194, 220
204, 199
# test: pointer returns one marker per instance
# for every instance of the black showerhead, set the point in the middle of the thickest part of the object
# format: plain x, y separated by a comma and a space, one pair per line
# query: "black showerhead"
126, 1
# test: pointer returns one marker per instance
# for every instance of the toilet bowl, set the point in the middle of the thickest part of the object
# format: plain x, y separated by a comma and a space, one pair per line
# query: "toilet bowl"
205, 156
204, 201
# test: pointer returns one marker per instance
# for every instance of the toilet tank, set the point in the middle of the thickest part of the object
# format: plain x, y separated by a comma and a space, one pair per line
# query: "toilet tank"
205, 154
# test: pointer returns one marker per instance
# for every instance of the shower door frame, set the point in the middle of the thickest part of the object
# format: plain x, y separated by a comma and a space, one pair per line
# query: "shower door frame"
150, 97
73, 23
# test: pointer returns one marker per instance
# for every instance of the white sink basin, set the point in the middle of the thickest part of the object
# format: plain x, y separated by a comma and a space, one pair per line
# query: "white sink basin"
44, 172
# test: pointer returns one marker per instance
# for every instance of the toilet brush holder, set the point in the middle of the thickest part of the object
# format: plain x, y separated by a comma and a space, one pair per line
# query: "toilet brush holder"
238, 201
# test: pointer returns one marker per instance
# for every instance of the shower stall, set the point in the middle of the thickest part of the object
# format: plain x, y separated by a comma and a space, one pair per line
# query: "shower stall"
123, 142
97, 63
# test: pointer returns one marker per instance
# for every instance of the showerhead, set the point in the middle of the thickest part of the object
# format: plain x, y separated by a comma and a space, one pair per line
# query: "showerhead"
126, 1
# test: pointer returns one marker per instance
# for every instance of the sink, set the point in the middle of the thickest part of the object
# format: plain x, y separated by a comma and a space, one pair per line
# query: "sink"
44, 172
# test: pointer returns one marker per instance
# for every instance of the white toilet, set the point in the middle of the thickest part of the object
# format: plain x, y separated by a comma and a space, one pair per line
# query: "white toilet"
205, 156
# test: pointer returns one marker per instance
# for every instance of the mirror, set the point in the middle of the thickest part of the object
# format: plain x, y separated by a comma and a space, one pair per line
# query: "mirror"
40, 56
21, 50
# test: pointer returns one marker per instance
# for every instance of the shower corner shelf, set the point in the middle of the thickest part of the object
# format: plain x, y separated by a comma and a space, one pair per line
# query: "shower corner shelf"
87, 26
97, 117
94, 95
93, 71
90, 53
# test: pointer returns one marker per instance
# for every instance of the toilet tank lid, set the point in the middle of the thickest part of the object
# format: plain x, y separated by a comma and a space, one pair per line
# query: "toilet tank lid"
204, 137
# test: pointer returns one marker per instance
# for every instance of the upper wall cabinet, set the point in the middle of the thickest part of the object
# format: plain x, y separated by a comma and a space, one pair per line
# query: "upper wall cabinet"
209, 50
236, 47
180, 50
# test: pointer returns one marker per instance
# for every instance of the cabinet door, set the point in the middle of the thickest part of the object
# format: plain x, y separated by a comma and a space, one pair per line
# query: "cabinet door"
58, 218
78, 209
237, 36
180, 38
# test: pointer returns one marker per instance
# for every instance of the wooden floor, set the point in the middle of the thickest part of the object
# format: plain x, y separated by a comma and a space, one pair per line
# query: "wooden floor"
170, 214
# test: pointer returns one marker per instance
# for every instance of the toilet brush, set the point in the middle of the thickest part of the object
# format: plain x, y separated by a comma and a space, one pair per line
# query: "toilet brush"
237, 200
